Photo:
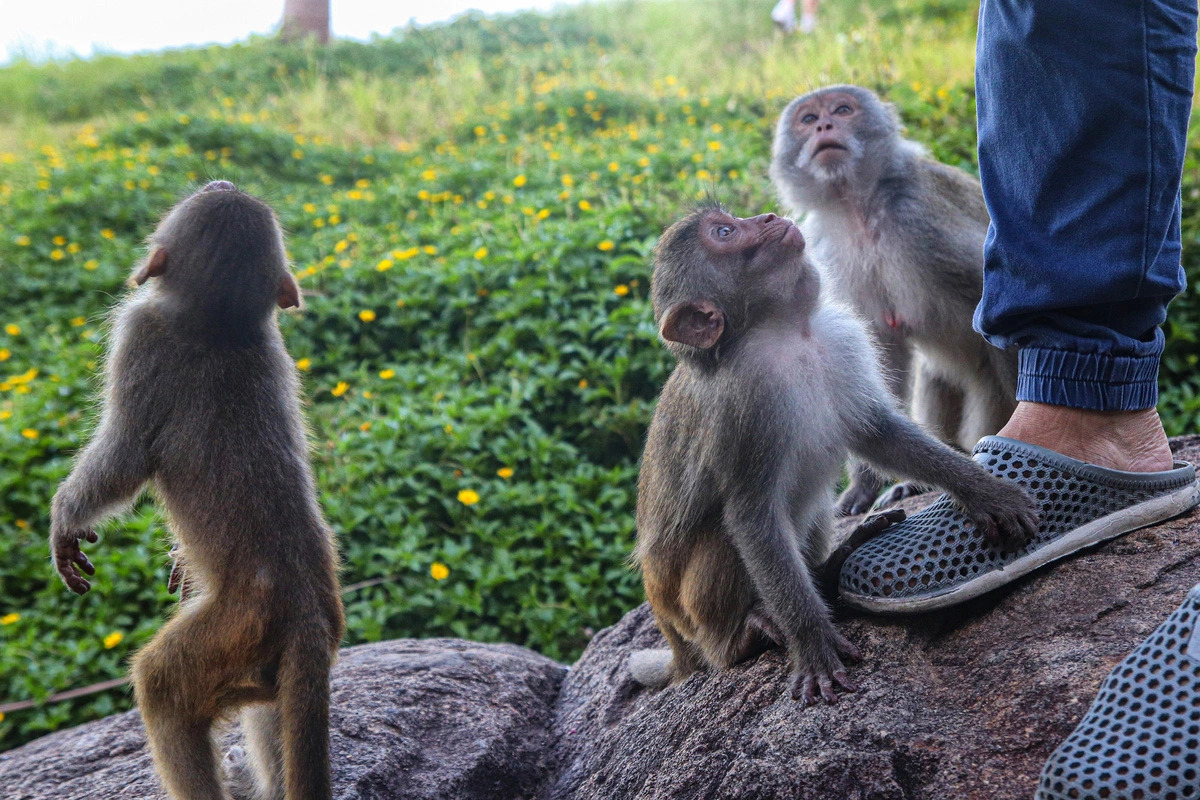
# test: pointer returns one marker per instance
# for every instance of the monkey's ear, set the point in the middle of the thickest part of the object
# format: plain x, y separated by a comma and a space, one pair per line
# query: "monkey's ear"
289, 292
698, 323
155, 265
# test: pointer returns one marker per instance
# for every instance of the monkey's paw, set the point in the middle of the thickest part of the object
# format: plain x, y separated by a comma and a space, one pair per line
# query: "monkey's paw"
70, 560
820, 670
1009, 519
857, 499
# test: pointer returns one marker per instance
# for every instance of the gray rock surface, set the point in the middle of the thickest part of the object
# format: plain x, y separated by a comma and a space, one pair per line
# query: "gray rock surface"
411, 719
967, 703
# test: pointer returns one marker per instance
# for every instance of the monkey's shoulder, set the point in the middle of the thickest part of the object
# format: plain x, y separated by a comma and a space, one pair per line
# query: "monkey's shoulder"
951, 193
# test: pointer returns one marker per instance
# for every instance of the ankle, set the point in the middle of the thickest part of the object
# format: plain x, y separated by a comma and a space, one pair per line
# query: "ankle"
1126, 440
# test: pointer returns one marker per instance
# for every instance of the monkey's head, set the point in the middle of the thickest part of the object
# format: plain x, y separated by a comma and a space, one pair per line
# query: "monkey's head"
219, 254
716, 276
829, 138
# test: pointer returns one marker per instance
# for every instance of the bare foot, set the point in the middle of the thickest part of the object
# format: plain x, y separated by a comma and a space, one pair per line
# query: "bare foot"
1127, 440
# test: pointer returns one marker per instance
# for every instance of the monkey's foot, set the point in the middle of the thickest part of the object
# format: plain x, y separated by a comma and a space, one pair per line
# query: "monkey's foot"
1141, 736
939, 557
899, 492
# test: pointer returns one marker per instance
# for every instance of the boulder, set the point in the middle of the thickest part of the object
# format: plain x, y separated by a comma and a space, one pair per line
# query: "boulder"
410, 719
966, 703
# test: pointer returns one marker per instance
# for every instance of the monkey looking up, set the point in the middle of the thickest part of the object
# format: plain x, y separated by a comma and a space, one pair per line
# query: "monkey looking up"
771, 391
899, 238
202, 399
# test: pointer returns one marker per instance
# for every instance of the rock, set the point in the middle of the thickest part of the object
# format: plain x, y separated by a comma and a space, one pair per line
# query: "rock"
435, 718
967, 703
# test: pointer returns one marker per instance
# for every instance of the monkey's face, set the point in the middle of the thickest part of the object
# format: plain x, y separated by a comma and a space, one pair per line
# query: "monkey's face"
715, 272
825, 137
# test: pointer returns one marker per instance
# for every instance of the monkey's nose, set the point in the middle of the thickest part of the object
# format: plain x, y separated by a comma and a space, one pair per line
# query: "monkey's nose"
220, 186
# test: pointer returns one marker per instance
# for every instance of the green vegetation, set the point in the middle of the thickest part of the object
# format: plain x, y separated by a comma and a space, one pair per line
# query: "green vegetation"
471, 208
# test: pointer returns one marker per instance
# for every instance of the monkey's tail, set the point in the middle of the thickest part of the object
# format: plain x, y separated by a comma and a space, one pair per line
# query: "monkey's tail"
653, 669
303, 700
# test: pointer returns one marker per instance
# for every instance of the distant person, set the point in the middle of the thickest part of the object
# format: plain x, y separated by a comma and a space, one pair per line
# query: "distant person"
784, 15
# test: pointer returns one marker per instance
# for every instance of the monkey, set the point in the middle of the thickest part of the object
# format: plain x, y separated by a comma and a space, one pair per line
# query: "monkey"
899, 238
202, 400
771, 390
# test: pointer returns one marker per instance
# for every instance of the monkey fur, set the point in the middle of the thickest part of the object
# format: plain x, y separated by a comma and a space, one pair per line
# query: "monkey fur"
899, 238
771, 392
202, 399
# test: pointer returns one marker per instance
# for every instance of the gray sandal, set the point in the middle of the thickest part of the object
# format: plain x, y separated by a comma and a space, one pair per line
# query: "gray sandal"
1141, 737
936, 558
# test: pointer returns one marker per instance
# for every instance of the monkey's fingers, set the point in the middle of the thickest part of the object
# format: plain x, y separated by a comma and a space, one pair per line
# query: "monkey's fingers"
847, 648
807, 685
843, 680
64, 563
82, 561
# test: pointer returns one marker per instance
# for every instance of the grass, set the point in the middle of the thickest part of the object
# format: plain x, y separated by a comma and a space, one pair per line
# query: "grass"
470, 209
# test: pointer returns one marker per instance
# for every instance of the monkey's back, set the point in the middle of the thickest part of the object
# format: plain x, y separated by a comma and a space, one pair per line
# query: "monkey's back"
229, 457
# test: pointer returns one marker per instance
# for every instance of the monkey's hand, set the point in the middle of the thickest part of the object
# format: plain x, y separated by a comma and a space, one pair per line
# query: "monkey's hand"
817, 667
1005, 514
69, 559
868, 529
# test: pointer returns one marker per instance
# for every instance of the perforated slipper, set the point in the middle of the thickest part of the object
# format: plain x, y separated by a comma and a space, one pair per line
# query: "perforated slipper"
1141, 737
936, 558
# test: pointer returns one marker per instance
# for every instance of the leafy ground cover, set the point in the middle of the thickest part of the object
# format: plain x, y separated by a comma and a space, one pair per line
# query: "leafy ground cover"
470, 209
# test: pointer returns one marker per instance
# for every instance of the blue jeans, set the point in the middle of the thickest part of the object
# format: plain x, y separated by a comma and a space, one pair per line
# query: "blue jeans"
1083, 113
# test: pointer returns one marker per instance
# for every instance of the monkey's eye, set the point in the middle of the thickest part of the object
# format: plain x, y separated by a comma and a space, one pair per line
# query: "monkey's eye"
809, 119
723, 231
843, 109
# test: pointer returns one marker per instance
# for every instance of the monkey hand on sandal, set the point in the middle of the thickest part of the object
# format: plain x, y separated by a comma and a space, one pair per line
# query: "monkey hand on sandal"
69, 558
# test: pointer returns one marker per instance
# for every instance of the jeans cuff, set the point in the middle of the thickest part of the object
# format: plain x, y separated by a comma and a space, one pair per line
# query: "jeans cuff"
1087, 380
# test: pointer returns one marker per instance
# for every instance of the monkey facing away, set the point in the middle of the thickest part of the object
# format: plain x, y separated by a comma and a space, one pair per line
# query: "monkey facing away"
772, 390
899, 238
202, 399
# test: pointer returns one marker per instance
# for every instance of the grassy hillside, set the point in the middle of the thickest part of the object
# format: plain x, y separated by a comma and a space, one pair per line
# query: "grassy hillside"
470, 210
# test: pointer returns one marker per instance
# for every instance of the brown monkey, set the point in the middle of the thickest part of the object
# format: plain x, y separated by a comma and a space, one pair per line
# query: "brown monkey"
772, 390
900, 239
202, 399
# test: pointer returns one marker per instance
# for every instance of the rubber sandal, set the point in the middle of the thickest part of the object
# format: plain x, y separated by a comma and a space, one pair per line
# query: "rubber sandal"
1141, 737
936, 559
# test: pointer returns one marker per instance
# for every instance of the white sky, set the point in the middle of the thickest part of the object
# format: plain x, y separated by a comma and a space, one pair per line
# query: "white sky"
61, 27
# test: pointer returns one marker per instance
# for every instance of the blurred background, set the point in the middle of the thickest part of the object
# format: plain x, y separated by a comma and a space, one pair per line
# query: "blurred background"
471, 201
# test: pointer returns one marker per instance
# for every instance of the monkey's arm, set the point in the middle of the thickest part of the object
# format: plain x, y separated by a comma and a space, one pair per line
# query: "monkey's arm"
1002, 511
108, 474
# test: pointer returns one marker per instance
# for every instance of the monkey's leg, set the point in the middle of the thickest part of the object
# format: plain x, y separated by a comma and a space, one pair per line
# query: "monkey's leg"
718, 596
937, 403
263, 777
303, 691
987, 409
193, 669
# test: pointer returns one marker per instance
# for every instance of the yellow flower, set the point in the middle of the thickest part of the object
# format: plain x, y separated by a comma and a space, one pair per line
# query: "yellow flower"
606, 245
481, 253
366, 426
57, 255
568, 181
5, 414
468, 497
9, 619
613, 166
340, 389
387, 374
584, 205
583, 384
91, 264
384, 265
367, 315
519, 181
439, 571
714, 145
23, 241
429, 250
341, 246
428, 175
1, 716
505, 472
621, 290
77, 321
29, 433
113, 639
297, 154
5, 355
303, 364
59, 240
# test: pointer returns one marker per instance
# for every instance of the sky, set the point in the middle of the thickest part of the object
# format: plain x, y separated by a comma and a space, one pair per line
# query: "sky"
41, 28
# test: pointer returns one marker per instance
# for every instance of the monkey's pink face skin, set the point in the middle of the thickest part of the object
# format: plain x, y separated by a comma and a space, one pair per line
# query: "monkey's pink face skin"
723, 234
826, 126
